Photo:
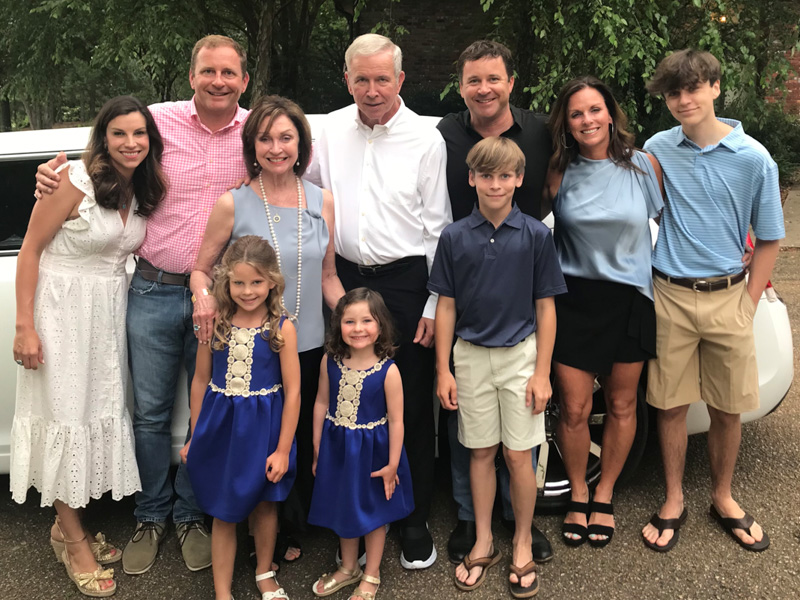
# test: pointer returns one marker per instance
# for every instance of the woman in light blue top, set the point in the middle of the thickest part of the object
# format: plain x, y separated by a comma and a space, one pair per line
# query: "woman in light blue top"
603, 192
297, 219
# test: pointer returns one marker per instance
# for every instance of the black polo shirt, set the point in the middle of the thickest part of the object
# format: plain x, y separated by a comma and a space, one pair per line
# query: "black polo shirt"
530, 133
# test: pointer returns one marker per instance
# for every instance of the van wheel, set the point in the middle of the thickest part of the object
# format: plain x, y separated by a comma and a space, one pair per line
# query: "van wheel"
551, 477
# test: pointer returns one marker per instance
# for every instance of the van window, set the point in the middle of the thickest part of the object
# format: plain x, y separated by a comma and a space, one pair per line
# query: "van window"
17, 183
16, 201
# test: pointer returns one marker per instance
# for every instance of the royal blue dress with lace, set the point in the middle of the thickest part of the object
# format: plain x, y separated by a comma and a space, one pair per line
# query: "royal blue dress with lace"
238, 428
355, 443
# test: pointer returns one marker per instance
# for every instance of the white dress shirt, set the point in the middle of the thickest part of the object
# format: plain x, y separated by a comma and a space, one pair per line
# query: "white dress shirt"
389, 186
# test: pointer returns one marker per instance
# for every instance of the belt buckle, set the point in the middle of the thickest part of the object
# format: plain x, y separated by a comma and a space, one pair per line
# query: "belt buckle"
695, 282
367, 269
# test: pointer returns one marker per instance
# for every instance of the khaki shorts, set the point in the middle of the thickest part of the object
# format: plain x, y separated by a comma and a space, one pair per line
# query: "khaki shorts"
705, 349
491, 386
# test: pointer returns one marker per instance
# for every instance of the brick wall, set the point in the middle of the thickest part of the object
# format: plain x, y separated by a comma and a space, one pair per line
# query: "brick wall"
792, 101
437, 33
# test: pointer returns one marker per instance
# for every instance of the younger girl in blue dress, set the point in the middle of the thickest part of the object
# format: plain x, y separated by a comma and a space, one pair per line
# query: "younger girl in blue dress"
362, 476
245, 401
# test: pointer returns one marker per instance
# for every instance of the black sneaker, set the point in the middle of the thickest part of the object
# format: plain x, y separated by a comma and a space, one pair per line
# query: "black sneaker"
418, 551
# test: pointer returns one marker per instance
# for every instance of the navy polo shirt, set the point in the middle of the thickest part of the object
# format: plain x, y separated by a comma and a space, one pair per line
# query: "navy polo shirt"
496, 276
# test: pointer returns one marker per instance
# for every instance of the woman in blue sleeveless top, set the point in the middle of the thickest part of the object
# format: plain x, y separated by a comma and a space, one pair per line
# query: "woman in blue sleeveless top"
297, 219
604, 192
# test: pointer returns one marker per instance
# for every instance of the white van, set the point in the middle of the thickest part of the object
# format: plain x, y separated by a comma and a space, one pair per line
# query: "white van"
21, 153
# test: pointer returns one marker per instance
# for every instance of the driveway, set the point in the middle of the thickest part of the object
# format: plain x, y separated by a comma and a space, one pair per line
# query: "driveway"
705, 565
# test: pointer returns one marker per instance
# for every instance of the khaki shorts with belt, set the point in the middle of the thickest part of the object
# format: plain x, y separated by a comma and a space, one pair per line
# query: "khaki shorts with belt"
705, 348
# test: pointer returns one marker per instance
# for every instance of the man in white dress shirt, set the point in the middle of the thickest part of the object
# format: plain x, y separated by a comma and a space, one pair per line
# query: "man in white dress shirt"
386, 168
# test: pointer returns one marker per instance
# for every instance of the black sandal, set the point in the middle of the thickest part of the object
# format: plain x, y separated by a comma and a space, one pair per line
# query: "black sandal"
580, 530
606, 508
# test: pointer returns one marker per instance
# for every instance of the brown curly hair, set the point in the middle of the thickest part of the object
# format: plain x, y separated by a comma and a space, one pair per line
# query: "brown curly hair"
257, 253
384, 345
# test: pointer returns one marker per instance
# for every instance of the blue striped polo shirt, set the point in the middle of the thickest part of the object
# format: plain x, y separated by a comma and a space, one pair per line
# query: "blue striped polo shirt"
714, 194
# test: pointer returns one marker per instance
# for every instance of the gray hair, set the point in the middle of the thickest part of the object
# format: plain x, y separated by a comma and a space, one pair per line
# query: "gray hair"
371, 44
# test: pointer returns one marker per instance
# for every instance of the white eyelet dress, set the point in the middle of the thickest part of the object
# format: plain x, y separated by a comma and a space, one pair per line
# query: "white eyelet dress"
72, 438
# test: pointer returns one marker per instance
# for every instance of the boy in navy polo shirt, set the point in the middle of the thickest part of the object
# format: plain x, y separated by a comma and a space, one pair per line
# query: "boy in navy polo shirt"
496, 273
719, 181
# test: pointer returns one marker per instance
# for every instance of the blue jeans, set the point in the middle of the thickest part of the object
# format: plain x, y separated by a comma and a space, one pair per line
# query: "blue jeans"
459, 468
160, 336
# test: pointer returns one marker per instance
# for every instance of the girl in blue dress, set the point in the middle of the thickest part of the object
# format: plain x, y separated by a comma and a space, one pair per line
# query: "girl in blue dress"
362, 476
245, 401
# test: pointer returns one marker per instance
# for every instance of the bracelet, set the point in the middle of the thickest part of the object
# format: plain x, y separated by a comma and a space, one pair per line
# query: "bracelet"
205, 293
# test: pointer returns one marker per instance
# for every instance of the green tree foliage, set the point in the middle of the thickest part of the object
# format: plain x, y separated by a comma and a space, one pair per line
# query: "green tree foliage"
622, 41
61, 59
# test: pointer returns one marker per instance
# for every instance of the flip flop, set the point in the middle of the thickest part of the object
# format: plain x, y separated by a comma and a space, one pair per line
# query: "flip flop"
516, 589
744, 523
661, 525
485, 562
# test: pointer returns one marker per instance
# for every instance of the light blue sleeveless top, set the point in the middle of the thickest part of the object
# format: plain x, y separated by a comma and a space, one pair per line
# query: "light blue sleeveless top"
601, 213
250, 218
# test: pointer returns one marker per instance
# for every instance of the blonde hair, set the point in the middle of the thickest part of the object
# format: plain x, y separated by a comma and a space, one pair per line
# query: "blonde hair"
371, 44
256, 252
496, 155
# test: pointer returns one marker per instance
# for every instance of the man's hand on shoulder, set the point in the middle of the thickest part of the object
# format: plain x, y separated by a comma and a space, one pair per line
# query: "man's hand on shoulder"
47, 180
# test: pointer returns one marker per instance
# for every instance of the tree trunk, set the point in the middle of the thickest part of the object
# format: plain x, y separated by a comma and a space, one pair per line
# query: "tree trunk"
5, 115
263, 71
40, 114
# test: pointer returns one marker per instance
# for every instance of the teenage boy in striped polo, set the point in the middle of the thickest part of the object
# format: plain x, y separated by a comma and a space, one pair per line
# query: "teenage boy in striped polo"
719, 181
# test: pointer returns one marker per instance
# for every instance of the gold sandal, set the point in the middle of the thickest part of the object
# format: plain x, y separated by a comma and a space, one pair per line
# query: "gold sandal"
104, 553
330, 585
357, 593
88, 583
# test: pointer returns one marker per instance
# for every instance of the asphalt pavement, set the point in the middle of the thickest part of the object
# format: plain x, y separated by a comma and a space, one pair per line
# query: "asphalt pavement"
705, 565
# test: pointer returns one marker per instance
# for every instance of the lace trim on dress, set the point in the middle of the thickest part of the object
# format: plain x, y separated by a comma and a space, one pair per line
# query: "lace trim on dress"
73, 463
81, 180
261, 392
349, 397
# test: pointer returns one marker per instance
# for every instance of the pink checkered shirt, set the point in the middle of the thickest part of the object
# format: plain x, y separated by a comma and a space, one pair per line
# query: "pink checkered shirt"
200, 167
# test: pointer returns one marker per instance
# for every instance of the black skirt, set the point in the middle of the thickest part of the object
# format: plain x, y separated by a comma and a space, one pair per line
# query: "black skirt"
601, 323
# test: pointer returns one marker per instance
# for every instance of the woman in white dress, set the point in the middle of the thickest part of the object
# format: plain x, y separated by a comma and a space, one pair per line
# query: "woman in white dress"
72, 438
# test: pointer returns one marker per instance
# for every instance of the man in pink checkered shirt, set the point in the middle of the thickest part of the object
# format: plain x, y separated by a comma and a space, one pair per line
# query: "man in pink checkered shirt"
202, 159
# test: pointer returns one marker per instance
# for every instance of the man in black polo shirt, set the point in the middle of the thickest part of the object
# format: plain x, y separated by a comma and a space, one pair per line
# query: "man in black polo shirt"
485, 77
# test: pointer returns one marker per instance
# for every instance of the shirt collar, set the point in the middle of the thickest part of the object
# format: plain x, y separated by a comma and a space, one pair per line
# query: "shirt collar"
516, 113
387, 127
239, 116
733, 141
513, 219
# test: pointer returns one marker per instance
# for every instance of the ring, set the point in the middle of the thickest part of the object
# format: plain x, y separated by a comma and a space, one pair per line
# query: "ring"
19, 362
197, 327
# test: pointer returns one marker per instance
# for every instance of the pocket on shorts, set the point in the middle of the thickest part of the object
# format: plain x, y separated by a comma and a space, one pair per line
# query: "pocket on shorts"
457, 347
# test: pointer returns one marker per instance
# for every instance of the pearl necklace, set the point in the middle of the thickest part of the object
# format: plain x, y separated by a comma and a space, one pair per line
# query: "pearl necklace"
299, 236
